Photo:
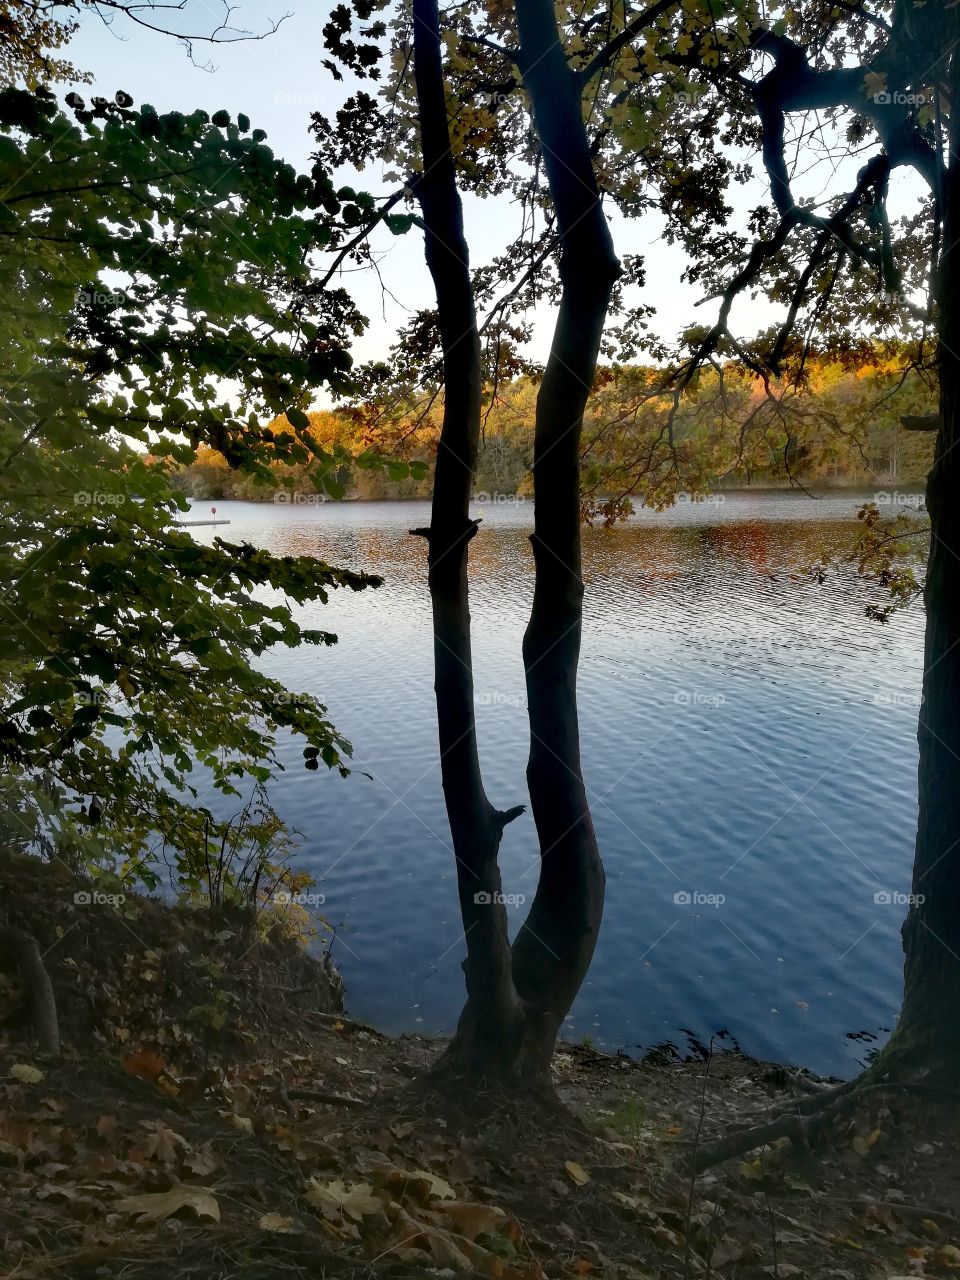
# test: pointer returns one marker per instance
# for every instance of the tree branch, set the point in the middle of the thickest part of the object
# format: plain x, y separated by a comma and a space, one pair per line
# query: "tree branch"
629, 33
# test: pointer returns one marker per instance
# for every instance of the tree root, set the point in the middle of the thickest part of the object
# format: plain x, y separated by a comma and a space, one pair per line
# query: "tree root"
803, 1122
39, 989
795, 1125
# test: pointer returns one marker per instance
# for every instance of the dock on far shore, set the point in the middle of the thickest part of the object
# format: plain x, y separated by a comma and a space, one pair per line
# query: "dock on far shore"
193, 524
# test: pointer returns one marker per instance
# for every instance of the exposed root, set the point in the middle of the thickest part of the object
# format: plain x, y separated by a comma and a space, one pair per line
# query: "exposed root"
805, 1120
796, 1126
39, 989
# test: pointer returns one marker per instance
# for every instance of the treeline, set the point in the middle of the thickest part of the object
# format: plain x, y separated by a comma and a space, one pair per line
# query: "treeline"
840, 423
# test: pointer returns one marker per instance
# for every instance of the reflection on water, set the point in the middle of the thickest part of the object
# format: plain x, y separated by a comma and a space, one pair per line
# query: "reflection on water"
748, 742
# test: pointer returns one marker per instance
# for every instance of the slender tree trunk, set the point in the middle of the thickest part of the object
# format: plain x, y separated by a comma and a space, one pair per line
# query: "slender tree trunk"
517, 1002
928, 1033
554, 948
492, 1014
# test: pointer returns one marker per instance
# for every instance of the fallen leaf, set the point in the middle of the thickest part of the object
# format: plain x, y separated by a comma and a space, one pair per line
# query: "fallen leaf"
663, 1235
442, 1190
336, 1198
276, 1222
446, 1247
162, 1204
163, 1143
576, 1173
472, 1220
727, 1250
106, 1126
145, 1064
26, 1074
630, 1202
200, 1163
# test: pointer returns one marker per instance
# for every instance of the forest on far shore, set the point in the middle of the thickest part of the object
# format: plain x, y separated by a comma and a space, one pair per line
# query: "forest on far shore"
842, 426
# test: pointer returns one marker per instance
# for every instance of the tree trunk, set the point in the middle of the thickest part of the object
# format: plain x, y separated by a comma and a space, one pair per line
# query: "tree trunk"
928, 1033
38, 989
554, 948
517, 1002
492, 1013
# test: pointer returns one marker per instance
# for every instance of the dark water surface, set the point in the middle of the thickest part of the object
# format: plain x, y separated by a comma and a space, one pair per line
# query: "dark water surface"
745, 735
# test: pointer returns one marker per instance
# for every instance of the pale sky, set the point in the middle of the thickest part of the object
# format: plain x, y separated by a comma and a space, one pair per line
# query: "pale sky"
278, 81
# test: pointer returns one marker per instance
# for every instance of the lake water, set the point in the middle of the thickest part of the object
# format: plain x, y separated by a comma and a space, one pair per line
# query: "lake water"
748, 743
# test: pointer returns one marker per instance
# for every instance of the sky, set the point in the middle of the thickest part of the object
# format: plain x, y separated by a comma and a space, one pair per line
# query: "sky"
279, 80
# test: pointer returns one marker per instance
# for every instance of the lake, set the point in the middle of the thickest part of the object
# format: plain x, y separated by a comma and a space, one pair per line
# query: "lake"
749, 748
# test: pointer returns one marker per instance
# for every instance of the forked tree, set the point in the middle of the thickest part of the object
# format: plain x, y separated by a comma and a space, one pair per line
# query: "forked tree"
517, 994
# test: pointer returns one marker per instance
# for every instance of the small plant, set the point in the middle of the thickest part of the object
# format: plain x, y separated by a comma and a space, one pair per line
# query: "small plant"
243, 874
628, 1117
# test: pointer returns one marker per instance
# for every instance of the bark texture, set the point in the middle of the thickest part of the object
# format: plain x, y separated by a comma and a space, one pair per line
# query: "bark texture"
492, 1014
929, 1029
555, 945
517, 999
41, 1001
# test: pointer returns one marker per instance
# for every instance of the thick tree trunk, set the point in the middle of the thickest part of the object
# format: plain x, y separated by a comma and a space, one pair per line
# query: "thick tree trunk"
492, 1014
928, 1033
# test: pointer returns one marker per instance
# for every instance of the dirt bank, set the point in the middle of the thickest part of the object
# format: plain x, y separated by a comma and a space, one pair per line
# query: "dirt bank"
212, 1114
